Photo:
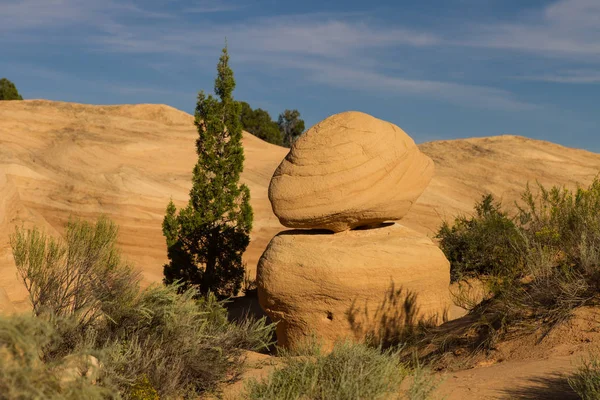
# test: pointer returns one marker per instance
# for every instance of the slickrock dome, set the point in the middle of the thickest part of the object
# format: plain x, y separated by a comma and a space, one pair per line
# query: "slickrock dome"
349, 170
352, 284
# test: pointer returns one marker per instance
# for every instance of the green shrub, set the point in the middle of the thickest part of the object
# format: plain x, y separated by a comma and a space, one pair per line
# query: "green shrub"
586, 380
554, 253
350, 371
154, 338
487, 243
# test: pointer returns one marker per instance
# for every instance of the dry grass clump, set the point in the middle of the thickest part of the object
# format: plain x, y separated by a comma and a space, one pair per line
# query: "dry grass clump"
349, 372
586, 380
149, 343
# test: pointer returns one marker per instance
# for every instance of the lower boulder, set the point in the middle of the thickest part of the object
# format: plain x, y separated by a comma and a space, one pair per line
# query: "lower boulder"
358, 285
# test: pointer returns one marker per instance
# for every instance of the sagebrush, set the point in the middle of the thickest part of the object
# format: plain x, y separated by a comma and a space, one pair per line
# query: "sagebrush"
160, 339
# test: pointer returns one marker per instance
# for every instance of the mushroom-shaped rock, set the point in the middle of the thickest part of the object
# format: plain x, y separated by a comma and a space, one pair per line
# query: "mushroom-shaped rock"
349, 170
351, 285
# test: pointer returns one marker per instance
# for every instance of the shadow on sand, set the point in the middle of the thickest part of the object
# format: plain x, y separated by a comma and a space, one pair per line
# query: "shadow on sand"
550, 387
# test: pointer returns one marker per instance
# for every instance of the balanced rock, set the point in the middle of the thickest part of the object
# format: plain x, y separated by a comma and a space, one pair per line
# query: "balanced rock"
351, 285
349, 170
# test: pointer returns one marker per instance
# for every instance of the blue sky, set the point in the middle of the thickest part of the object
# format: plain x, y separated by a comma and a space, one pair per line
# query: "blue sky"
440, 69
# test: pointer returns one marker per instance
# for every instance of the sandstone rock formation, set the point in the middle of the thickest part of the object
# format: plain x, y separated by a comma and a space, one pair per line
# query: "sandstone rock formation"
349, 170
351, 284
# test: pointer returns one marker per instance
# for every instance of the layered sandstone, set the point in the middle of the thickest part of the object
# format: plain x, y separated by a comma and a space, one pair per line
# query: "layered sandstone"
349, 170
332, 282
352, 284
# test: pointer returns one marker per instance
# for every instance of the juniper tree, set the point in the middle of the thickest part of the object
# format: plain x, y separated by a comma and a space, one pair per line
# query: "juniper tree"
206, 239
8, 90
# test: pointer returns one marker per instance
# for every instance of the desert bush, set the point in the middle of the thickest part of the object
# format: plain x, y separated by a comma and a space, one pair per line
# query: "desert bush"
179, 345
586, 380
350, 371
25, 375
555, 245
487, 243
150, 340
77, 281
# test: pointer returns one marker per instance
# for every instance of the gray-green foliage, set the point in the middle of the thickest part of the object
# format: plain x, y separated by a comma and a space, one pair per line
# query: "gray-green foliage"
90, 303
8, 90
181, 345
349, 372
206, 239
80, 277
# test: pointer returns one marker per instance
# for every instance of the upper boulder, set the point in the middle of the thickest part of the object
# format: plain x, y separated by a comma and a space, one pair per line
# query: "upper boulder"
349, 170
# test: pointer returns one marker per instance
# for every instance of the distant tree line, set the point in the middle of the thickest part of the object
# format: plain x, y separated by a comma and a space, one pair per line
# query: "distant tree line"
8, 90
283, 132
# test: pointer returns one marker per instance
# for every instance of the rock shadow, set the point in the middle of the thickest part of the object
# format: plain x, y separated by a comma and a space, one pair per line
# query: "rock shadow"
395, 320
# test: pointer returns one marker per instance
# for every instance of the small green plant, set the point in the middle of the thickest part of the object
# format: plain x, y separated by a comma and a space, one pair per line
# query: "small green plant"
586, 380
350, 371
142, 389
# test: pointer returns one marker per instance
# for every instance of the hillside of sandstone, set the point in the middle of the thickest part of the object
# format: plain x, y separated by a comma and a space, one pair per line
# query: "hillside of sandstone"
61, 159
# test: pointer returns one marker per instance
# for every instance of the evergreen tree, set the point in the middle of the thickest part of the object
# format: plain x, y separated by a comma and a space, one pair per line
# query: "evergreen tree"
259, 123
291, 126
8, 90
206, 239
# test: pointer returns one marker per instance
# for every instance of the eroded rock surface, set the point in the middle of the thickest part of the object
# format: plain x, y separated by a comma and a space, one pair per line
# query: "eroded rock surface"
349, 170
351, 284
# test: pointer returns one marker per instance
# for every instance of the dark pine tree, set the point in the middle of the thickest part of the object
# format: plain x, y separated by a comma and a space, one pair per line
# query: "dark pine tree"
207, 238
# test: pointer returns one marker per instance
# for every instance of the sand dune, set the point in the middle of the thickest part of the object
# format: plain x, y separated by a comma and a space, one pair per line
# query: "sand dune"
60, 159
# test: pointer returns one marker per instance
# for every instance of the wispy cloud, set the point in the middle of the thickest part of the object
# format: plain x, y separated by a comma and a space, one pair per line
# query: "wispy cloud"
337, 51
213, 6
456, 93
563, 28
572, 76
294, 35
21, 15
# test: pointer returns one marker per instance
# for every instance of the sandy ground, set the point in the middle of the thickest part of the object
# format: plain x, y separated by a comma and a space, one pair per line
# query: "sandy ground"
62, 159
